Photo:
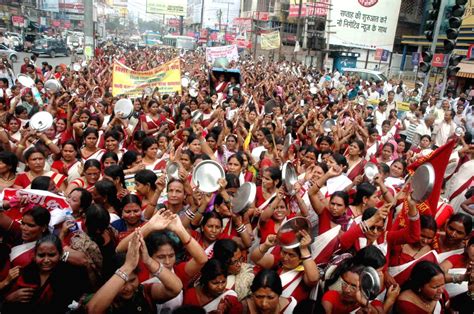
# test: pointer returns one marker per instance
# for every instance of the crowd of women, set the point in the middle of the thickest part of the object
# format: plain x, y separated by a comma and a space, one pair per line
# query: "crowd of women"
135, 240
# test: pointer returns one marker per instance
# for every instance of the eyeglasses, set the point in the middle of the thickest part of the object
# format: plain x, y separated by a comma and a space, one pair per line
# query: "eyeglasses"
377, 228
348, 286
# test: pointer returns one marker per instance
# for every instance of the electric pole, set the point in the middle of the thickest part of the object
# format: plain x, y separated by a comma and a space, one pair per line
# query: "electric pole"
89, 29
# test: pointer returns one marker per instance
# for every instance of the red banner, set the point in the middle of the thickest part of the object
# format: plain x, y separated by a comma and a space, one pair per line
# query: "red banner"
45, 199
261, 16
243, 43
18, 21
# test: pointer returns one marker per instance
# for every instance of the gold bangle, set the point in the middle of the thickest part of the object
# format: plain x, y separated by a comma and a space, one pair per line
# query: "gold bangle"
48, 142
21, 146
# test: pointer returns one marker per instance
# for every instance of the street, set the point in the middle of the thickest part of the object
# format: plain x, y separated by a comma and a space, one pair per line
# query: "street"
52, 61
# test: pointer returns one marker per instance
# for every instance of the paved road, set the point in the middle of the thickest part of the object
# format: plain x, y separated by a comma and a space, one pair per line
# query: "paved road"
52, 61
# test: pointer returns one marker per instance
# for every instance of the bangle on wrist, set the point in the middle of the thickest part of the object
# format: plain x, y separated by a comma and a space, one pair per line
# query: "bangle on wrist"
48, 142
304, 258
121, 274
189, 213
414, 218
158, 271
65, 256
242, 228
188, 241
20, 146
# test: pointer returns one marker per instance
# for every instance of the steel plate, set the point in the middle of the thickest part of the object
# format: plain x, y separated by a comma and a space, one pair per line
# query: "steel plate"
206, 174
244, 197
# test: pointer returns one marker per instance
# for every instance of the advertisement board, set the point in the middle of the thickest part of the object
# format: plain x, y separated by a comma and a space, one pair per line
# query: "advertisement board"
175, 7
367, 24
49, 5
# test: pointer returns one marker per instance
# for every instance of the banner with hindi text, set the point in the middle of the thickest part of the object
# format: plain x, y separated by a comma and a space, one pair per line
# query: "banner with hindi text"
131, 83
270, 40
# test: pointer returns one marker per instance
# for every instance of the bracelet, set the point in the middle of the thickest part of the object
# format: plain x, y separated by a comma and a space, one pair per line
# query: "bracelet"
189, 213
189, 241
241, 229
21, 146
65, 256
122, 275
305, 257
414, 218
158, 271
48, 142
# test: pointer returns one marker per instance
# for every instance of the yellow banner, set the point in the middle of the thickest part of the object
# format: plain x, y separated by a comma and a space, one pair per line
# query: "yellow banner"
166, 77
403, 106
270, 40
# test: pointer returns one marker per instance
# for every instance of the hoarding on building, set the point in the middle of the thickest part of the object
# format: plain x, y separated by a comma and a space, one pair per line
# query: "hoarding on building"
175, 7
367, 24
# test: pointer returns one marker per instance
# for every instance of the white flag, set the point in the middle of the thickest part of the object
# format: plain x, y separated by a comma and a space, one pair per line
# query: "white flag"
297, 46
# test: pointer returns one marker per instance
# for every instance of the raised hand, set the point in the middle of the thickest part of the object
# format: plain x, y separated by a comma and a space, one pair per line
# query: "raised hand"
161, 219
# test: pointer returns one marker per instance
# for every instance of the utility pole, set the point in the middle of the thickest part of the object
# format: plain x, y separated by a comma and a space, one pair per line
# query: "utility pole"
255, 29
298, 28
439, 20
328, 32
202, 14
88, 29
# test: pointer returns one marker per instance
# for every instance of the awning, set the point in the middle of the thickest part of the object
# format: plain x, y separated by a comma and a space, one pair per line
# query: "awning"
466, 70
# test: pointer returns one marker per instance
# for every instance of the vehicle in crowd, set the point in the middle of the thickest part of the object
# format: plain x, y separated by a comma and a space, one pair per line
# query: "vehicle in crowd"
15, 41
75, 42
366, 75
180, 42
50, 46
152, 38
9, 53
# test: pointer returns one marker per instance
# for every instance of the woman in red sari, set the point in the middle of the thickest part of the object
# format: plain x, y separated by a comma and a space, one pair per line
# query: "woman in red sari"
90, 175
150, 155
90, 150
405, 253
464, 260
131, 216
151, 121
355, 159
425, 293
35, 159
211, 293
266, 295
371, 230
337, 213
45, 284
22, 236
271, 181
69, 164
297, 269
